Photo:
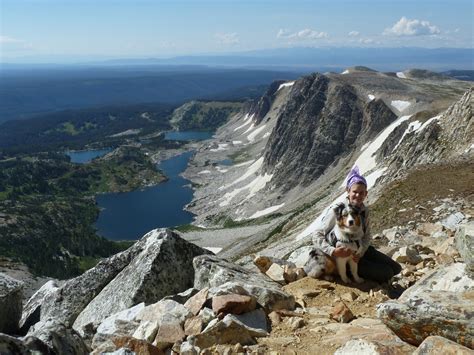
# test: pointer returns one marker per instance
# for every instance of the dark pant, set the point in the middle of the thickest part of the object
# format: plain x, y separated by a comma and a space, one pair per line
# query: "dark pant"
377, 266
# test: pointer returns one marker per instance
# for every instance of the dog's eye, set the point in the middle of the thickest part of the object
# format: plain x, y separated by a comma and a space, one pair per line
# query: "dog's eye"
345, 213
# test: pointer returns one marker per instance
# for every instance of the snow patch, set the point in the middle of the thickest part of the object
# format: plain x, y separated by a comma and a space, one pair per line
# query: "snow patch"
412, 127
371, 97
266, 211
204, 172
251, 136
366, 160
254, 186
252, 126
401, 75
470, 148
245, 163
250, 171
266, 135
427, 123
345, 72
400, 105
219, 169
213, 249
291, 83
221, 146
236, 142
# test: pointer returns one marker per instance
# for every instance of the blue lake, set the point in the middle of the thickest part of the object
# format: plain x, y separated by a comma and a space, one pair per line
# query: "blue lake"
85, 156
129, 215
187, 135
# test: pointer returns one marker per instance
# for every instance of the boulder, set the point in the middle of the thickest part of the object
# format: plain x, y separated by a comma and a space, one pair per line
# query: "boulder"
373, 347
136, 346
170, 331
300, 256
341, 313
464, 238
407, 254
65, 303
229, 330
212, 271
438, 345
453, 220
444, 313
32, 308
440, 303
12, 346
233, 303
11, 295
59, 338
451, 278
276, 273
111, 324
371, 330
163, 267
195, 303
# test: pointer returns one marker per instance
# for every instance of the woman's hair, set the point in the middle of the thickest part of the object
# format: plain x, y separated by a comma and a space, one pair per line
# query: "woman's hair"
354, 177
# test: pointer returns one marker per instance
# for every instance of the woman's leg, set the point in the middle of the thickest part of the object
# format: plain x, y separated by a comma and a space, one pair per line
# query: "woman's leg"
377, 266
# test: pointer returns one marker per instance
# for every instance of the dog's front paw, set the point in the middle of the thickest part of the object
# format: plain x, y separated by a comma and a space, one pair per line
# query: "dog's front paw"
359, 280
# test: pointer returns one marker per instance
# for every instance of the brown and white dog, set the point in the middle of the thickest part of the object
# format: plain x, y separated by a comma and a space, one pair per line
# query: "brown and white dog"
347, 233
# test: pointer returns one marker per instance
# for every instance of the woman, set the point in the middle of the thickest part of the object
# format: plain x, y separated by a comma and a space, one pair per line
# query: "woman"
373, 265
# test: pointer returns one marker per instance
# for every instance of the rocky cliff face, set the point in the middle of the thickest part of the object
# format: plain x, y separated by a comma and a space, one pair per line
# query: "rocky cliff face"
322, 120
259, 108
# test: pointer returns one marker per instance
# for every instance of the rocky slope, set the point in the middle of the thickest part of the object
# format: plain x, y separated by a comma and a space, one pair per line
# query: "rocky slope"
288, 156
313, 131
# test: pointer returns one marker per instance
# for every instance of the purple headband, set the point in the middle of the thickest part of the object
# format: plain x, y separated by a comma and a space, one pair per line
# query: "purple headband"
354, 177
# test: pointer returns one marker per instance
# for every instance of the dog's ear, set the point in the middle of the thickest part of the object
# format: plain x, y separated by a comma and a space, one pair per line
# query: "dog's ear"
338, 209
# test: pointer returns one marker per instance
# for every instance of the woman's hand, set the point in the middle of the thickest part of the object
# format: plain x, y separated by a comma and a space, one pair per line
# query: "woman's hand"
356, 257
342, 252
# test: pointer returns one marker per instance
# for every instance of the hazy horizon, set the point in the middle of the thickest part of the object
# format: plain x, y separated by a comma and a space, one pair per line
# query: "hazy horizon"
55, 31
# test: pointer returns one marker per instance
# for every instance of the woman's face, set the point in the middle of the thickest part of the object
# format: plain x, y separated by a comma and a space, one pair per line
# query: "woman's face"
357, 194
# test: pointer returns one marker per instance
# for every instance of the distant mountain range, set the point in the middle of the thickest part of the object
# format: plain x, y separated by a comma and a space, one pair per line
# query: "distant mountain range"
329, 58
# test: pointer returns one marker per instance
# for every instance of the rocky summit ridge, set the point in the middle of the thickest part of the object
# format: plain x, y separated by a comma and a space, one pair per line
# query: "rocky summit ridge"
290, 151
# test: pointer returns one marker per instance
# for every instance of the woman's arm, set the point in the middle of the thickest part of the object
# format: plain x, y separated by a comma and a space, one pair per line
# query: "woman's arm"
327, 223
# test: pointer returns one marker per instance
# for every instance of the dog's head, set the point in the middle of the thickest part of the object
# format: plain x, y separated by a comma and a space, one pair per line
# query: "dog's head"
348, 218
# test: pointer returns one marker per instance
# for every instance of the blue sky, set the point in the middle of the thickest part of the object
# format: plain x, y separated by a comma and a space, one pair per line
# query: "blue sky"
47, 30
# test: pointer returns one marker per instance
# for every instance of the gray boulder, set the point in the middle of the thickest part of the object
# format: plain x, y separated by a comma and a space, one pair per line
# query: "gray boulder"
231, 330
214, 272
72, 297
438, 345
11, 294
12, 346
59, 338
465, 244
440, 303
163, 267
32, 308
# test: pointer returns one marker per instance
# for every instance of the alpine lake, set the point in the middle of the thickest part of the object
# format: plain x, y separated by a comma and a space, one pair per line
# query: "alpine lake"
129, 215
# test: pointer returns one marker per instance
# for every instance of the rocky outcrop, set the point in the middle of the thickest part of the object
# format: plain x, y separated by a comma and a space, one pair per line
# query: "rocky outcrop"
10, 303
439, 304
259, 108
441, 138
465, 245
322, 119
215, 273
438, 345
32, 308
59, 338
163, 267
12, 346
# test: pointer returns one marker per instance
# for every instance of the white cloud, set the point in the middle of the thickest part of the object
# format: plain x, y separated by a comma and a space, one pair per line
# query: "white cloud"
407, 27
227, 38
366, 41
305, 34
8, 40
354, 33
